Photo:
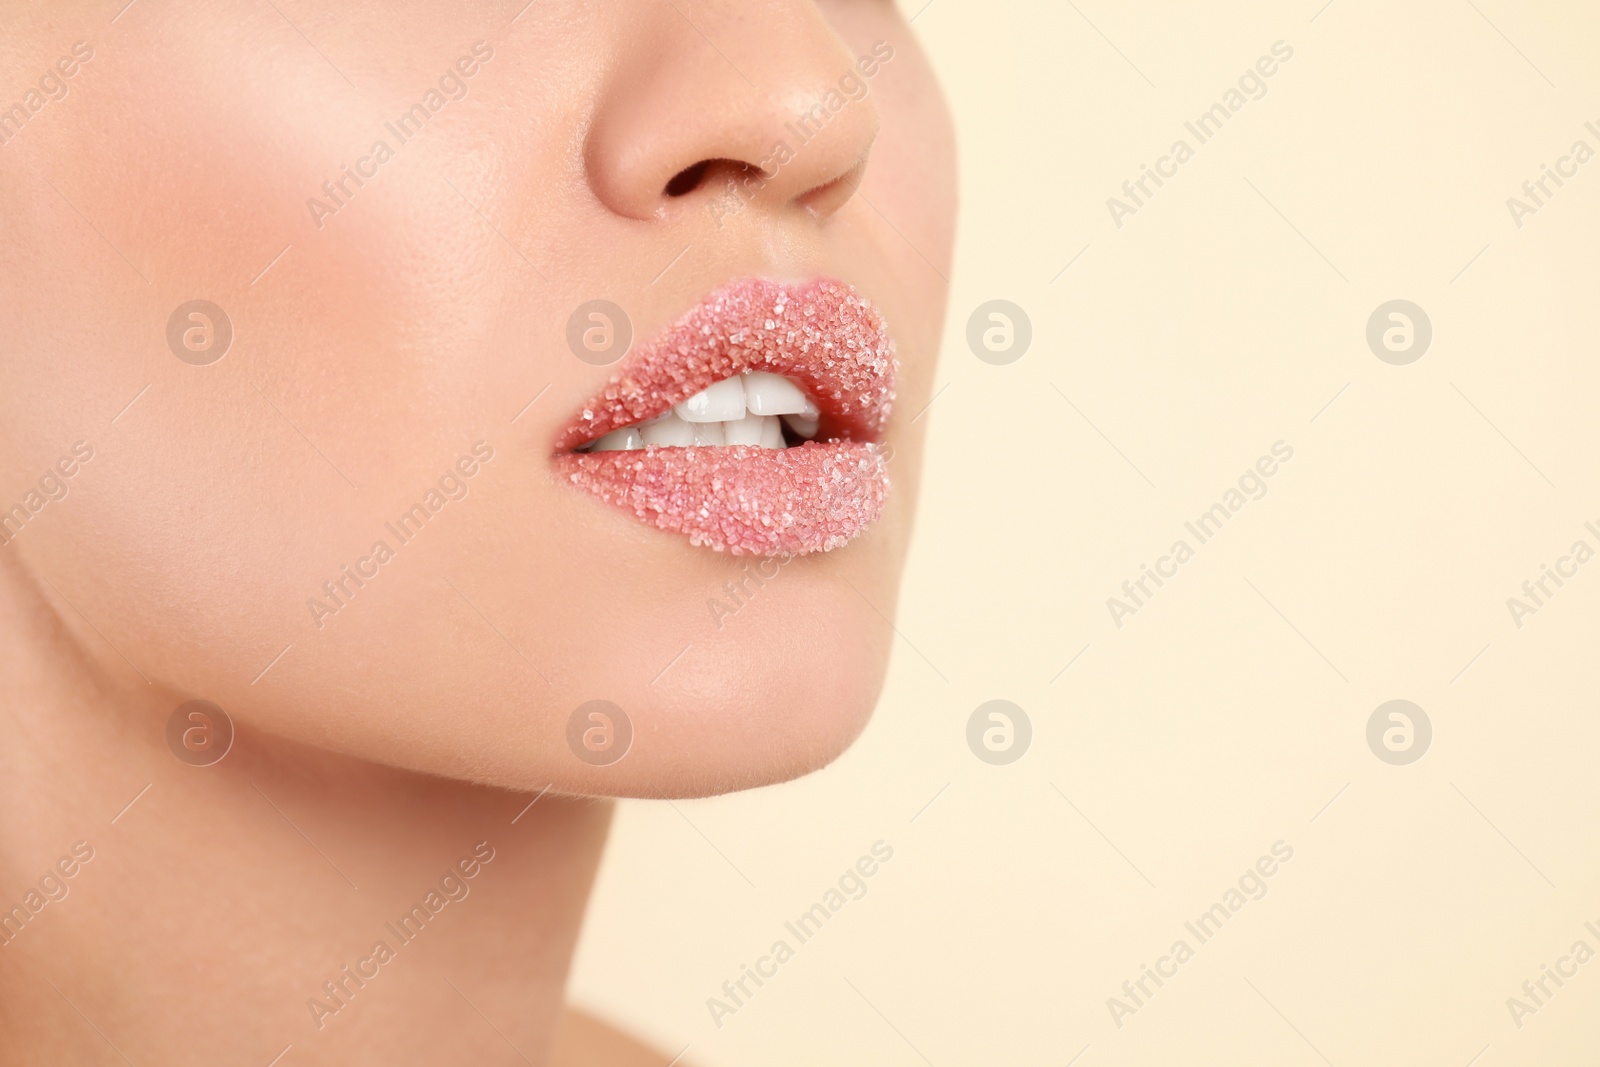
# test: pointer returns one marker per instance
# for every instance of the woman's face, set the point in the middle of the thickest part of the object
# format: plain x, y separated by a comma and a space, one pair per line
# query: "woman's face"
360, 521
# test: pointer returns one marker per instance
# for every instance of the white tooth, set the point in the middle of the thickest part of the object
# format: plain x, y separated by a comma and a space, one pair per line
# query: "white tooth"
771, 432
746, 431
667, 430
619, 440
772, 394
802, 425
721, 402
708, 433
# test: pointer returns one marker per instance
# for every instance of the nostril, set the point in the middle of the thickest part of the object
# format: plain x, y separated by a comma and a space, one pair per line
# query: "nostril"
688, 179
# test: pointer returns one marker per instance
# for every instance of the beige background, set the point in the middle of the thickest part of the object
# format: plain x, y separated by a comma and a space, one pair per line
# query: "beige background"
1227, 314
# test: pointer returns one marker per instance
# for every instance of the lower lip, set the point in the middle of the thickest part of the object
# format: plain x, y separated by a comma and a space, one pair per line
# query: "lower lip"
743, 499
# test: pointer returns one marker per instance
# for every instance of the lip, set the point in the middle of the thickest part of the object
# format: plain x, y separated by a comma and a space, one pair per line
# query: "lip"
741, 499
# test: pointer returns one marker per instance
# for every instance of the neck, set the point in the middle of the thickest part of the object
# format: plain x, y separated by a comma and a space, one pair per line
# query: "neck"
284, 896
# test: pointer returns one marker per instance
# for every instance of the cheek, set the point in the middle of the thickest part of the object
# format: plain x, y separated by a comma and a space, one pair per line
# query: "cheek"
355, 378
914, 162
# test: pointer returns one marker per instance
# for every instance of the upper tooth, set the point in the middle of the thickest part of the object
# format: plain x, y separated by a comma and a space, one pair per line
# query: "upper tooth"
721, 402
741, 410
773, 394
619, 440
667, 430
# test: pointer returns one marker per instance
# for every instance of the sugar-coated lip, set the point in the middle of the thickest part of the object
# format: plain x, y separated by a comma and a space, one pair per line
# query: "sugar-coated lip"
743, 499
737, 498
823, 334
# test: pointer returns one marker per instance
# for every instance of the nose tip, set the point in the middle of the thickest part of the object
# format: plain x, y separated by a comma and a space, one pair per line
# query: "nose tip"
771, 113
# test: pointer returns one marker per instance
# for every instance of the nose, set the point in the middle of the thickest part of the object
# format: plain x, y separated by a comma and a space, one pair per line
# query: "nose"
713, 99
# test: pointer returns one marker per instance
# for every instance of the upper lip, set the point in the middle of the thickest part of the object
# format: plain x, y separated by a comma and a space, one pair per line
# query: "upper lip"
822, 334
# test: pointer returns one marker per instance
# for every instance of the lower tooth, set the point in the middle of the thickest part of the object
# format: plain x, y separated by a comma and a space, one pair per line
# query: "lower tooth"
618, 440
668, 430
745, 431
759, 431
802, 425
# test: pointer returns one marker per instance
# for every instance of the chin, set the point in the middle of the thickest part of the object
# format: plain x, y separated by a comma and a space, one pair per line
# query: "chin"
699, 682
783, 696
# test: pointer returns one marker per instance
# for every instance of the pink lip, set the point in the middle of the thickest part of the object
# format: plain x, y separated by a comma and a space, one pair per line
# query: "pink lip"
738, 498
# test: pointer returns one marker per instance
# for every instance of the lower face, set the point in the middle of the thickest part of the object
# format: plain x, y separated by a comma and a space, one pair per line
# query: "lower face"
404, 516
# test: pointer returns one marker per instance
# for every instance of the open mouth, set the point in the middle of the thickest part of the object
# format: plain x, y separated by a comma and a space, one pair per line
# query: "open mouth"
752, 424
756, 408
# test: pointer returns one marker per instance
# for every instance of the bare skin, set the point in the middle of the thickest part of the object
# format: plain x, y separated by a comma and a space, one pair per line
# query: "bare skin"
207, 892
586, 1040
232, 913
